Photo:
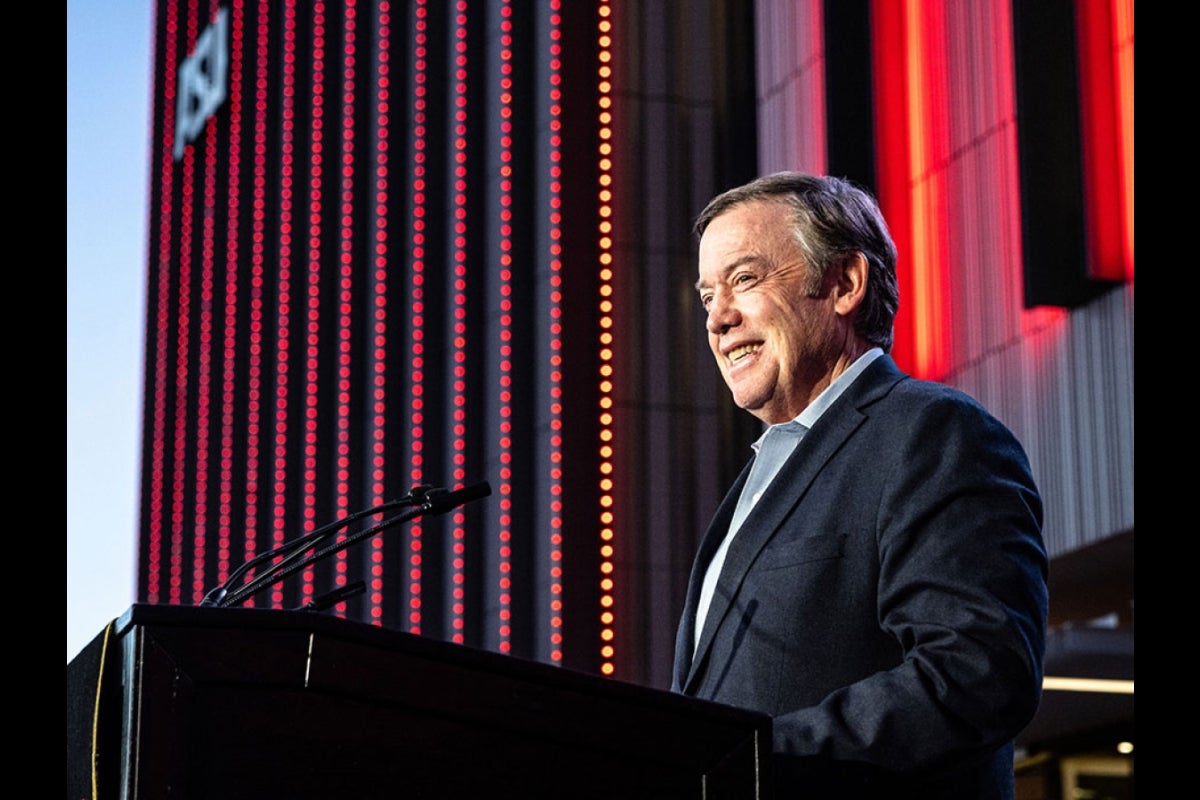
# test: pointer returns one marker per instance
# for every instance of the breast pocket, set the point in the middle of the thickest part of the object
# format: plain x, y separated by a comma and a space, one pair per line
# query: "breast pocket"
800, 551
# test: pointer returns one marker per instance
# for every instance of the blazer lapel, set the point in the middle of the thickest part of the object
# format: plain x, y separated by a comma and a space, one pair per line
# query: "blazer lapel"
685, 636
815, 450
759, 526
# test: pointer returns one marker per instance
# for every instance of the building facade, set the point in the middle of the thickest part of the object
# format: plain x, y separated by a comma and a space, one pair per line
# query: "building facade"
446, 246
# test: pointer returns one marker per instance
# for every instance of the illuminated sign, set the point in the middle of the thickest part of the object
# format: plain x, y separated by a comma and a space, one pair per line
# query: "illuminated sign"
202, 82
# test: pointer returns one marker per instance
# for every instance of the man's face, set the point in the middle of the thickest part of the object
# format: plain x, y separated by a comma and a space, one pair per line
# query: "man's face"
774, 344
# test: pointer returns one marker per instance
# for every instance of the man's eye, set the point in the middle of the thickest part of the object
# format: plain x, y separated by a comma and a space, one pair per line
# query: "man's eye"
742, 278
705, 300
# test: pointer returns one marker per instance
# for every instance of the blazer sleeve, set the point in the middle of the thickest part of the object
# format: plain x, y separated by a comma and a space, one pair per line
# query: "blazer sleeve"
961, 589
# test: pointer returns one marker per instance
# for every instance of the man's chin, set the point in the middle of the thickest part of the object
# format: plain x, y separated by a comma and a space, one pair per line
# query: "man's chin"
750, 404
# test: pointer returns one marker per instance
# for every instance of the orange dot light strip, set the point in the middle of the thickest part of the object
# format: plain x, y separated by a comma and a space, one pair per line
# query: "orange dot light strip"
605, 163
555, 338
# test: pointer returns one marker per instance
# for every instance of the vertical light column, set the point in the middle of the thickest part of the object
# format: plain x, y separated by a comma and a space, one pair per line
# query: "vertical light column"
1105, 34
792, 67
927, 98
605, 386
555, 378
283, 358
892, 136
345, 285
379, 253
255, 338
157, 521
204, 361
312, 326
416, 332
458, 336
230, 335
1123, 67
911, 139
183, 355
504, 489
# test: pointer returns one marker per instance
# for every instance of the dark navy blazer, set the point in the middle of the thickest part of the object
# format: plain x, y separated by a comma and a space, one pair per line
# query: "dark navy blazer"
885, 602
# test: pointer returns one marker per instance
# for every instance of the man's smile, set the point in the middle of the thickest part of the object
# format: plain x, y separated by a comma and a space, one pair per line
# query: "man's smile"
736, 354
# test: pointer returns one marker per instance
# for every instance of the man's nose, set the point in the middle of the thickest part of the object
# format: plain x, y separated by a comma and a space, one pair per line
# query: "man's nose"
722, 313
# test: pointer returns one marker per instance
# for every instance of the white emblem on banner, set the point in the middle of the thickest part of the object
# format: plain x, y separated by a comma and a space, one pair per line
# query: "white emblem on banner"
202, 82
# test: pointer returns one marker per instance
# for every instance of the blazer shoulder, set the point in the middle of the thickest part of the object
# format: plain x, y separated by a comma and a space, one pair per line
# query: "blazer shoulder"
884, 379
888, 393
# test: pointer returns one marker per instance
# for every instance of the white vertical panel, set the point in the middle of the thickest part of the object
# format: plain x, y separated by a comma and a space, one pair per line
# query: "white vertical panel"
791, 86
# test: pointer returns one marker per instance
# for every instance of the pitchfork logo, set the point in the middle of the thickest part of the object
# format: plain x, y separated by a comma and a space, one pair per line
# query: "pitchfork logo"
202, 82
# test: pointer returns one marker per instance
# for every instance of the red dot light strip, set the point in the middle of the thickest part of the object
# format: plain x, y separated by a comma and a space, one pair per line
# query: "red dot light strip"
504, 490
283, 358
183, 355
254, 375
312, 329
342, 467
204, 366
156, 522
458, 350
417, 303
229, 337
379, 323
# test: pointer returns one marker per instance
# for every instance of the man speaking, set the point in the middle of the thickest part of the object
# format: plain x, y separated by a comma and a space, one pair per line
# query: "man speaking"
875, 579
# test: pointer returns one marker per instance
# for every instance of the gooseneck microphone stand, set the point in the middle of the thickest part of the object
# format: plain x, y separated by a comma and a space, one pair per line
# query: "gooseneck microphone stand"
313, 547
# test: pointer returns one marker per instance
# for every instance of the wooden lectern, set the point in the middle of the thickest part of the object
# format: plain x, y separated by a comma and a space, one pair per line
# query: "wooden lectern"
198, 703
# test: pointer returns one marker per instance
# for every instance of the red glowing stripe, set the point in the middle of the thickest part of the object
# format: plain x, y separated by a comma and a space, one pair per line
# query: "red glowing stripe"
182, 364
156, 522
312, 339
929, 121
379, 328
204, 361
504, 534
458, 396
417, 306
892, 152
345, 290
912, 143
555, 331
254, 377
229, 337
1106, 121
279, 433
1123, 43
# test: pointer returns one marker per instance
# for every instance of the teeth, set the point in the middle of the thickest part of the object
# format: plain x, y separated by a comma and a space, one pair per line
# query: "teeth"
737, 354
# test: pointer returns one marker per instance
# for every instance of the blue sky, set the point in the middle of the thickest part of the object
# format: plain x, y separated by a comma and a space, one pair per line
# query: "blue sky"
109, 59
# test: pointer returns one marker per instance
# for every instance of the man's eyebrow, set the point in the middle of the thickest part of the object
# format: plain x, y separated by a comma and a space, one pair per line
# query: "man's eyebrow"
728, 268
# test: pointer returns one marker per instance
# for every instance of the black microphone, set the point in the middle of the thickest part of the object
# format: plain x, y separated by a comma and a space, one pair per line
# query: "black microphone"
417, 496
331, 599
431, 500
439, 502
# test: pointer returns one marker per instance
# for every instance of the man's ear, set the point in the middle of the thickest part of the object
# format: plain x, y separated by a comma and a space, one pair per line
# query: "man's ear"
851, 284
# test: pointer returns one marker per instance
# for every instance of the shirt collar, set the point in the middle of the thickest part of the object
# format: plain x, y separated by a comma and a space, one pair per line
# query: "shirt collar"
809, 416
